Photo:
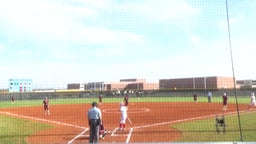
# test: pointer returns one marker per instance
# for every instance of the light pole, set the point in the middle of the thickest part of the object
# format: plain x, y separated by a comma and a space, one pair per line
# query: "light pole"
194, 85
205, 85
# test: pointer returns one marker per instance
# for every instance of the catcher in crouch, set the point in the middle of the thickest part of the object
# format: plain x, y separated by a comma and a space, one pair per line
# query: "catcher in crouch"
220, 122
102, 131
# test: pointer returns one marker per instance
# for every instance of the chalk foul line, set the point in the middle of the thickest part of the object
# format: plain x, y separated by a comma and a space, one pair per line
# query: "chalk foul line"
129, 136
70, 142
184, 120
42, 120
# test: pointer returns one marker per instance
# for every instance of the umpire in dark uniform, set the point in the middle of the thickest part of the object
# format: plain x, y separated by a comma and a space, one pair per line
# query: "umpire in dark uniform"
94, 119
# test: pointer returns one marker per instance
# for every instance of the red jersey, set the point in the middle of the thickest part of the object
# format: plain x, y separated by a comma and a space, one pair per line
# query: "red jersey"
126, 100
12, 99
46, 103
100, 98
225, 99
195, 96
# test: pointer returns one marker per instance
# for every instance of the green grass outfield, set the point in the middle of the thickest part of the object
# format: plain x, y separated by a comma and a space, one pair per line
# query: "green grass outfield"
21, 103
199, 130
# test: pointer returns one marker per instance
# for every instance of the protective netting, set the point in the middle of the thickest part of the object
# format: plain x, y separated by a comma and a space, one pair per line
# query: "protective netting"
182, 70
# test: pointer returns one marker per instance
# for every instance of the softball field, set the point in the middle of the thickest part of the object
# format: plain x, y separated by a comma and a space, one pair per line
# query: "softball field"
151, 121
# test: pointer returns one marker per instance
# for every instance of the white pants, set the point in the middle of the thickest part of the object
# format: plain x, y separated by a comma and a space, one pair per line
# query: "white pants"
123, 119
253, 103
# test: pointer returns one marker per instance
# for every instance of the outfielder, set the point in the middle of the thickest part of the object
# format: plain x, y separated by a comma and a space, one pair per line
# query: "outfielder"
225, 101
123, 110
253, 102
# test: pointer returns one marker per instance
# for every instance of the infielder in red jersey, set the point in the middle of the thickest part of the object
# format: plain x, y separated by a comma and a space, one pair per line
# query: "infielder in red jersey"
100, 99
126, 99
195, 97
225, 101
46, 106
12, 99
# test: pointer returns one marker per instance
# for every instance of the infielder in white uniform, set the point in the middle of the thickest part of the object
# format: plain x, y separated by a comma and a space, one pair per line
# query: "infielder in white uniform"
123, 110
253, 102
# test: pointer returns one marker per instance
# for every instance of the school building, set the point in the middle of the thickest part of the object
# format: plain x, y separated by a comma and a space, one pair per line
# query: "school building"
123, 84
246, 84
213, 82
196, 83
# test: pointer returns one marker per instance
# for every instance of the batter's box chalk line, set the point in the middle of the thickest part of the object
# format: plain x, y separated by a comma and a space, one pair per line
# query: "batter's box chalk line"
126, 132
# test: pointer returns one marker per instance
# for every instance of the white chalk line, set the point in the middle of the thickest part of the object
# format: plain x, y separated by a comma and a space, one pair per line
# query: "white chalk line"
77, 136
178, 121
113, 132
142, 110
48, 121
65, 124
185, 120
39, 119
164, 123
169, 122
129, 136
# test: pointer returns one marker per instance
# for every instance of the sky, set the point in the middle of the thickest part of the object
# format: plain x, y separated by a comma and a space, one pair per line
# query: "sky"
56, 42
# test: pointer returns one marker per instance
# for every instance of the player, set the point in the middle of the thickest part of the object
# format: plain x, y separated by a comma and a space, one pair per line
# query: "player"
126, 99
102, 131
12, 99
195, 97
209, 95
252, 102
46, 106
100, 99
225, 101
220, 122
123, 110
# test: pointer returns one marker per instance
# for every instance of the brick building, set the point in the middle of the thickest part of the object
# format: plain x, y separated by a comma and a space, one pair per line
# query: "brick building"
123, 84
214, 82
